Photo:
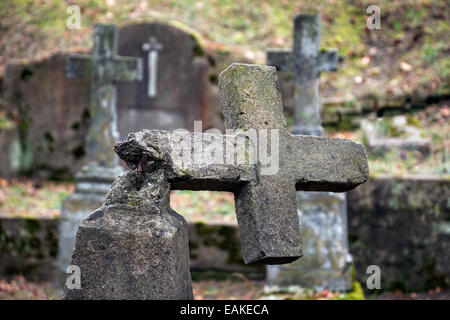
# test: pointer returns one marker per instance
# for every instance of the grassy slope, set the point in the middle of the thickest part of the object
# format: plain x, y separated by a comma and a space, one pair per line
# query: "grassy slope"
410, 54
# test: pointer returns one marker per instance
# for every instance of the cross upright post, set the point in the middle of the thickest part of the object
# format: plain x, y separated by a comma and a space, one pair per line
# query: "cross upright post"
306, 61
104, 68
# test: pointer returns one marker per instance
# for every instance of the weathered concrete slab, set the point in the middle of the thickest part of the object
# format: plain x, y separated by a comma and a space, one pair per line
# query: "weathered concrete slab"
385, 134
402, 226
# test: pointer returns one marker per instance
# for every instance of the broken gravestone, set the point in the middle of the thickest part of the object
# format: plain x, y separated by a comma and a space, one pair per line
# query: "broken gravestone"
174, 90
323, 215
136, 247
93, 181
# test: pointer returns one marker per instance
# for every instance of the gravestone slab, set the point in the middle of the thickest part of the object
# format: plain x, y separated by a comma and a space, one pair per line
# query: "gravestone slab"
104, 67
323, 215
173, 92
264, 198
53, 119
385, 134
53, 110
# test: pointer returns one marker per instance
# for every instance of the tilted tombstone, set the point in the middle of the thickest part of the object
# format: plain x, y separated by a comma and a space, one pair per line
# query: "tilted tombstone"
174, 89
326, 263
104, 68
136, 247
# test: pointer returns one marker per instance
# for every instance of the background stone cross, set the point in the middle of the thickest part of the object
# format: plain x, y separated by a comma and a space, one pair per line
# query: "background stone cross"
306, 61
265, 204
105, 68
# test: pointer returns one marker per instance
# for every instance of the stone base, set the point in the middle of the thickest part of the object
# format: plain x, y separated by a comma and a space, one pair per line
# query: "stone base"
93, 182
134, 247
326, 260
75, 208
121, 261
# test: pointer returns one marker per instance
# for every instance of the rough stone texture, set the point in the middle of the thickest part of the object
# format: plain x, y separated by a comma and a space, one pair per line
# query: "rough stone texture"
182, 79
407, 233
403, 226
53, 119
305, 163
135, 246
28, 246
104, 67
117, 245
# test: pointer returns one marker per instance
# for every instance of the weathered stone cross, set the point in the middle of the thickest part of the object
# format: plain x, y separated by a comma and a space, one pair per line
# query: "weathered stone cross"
265, 203
136, 247
306, 61
105, 68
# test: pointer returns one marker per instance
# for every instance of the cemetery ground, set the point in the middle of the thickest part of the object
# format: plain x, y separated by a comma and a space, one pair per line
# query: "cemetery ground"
30, 198
235, 288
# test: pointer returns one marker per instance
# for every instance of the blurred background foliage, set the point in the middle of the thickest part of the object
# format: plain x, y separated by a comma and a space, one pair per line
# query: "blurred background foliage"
409, 54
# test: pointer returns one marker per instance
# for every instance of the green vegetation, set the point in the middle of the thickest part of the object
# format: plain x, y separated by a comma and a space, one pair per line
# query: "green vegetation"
408, 55
204, 205
27, 199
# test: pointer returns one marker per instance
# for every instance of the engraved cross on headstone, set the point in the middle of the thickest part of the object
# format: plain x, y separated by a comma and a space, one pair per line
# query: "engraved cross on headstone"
152, 46
105, 68
306, 61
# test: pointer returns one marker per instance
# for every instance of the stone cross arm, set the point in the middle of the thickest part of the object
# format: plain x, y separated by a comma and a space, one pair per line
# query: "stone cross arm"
310, 163
283, 59
264, 187
119, 68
